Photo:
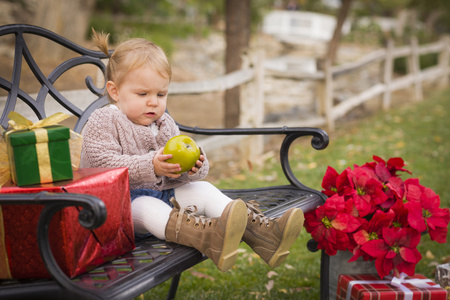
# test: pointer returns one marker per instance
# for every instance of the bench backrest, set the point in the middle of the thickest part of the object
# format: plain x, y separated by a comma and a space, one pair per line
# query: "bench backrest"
37, 103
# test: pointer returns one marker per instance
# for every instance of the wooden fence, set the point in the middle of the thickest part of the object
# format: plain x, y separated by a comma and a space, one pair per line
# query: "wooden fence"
253, 75
415, 77
328, 112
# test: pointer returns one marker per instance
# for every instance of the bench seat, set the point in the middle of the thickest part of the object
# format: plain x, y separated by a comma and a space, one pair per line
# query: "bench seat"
152, 261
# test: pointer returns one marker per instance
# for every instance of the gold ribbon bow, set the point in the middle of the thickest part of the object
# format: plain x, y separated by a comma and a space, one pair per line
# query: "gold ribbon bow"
19, 122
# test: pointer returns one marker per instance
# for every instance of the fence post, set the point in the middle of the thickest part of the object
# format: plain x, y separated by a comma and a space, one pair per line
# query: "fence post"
387, 76
328, 95
414, 69
252, 109
444, 59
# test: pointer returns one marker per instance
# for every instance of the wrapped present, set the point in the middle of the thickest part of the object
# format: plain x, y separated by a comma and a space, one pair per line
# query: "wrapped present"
75, 248
443, 276
39, 152
370, 286
40, 155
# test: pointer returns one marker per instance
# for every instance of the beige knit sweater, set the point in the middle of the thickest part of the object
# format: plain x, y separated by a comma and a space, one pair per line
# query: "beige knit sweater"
110, 139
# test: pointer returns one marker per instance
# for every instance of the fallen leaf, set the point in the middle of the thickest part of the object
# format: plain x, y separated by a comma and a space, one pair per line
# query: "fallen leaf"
429, 255
342, 162
446, 259
301, 166
202, 275
312, 165
271, 274
269, 285
256, 294
289, 267
299, 289
400, 145
240, 177
433, 264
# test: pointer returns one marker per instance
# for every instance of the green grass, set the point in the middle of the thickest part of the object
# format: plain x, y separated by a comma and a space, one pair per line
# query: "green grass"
419, 133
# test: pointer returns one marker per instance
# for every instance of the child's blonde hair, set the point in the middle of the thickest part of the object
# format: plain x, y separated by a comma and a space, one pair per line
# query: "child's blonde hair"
130, 55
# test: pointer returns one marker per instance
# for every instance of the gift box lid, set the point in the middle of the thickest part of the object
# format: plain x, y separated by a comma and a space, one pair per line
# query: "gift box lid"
25, 137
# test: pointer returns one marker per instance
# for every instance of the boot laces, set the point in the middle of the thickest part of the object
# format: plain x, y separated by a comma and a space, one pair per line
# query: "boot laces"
191, 213
256, 213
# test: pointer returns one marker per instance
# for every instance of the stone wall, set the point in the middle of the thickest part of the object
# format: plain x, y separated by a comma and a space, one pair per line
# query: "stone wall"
67, 18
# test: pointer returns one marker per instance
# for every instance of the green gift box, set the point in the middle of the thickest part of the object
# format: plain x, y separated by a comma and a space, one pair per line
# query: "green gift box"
40, 155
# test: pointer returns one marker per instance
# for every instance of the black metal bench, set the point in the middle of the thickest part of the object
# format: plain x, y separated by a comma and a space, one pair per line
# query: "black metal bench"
153, 261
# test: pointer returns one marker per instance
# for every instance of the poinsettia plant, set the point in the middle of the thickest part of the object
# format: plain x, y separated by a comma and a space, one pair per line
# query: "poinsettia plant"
378, 216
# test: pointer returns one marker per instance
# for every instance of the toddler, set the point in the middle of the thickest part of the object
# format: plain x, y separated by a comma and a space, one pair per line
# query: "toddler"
132, 131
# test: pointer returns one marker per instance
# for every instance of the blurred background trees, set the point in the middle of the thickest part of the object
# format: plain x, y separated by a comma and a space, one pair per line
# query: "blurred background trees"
164, 20
239, 21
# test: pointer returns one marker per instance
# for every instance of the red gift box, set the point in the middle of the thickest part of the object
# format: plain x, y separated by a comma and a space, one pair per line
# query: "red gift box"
76, 249
370, 286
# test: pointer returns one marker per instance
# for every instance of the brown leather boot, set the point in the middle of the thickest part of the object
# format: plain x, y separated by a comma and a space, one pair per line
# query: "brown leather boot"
217, 238
271, 238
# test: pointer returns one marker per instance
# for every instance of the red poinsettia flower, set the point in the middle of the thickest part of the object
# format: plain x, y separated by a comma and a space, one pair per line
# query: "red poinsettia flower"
329, 224
394, 164
424, 212
335, 183
395, 251
396, 186
394, 190
400, 214
371, 230
376, 215
329, 182
379, 171
367, 191
413, 190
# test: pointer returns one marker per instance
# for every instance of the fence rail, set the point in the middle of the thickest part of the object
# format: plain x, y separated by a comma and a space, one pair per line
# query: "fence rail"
328, 112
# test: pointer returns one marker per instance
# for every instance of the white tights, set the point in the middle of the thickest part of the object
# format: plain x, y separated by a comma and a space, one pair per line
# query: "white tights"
151, 214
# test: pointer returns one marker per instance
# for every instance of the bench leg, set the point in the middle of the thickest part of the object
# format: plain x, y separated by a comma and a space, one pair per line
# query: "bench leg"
324, 276
173, 287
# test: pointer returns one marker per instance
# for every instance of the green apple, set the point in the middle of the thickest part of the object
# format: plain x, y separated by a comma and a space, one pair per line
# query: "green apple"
184, 150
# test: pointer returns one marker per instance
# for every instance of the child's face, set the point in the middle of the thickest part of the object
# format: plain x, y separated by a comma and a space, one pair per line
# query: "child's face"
142, 96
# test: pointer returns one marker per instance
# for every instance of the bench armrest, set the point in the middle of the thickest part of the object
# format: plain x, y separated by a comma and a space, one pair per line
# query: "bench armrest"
91, 216
319, 141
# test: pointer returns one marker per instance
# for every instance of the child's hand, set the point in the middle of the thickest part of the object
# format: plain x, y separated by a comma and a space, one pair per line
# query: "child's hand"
198, 165
163, 168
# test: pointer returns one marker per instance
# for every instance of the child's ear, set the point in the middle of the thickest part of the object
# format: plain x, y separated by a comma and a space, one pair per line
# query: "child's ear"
113, 91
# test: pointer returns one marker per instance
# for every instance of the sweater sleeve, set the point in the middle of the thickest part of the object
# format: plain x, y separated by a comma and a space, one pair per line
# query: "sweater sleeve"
102, 148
